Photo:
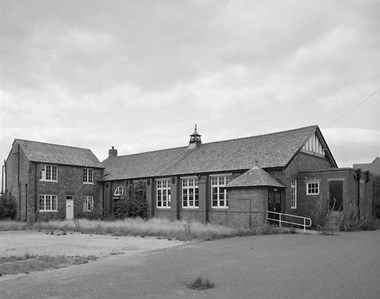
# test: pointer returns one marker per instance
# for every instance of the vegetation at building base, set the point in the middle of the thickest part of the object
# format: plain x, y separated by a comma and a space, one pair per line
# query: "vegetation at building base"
133, 203
321, 216
32, 262
8, 206
6, 225
349, 220
155, 227
376, 196
346, 218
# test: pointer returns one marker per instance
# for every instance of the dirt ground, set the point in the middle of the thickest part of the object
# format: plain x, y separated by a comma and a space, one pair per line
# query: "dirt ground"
343, 265
17, 243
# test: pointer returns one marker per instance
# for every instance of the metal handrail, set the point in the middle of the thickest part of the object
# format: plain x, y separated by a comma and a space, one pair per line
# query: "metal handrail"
289, 222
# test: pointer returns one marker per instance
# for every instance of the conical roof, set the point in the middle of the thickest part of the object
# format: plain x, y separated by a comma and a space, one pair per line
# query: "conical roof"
255, 177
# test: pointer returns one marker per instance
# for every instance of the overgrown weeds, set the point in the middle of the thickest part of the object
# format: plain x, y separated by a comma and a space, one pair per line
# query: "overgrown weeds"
6, 225
201, 283
32, 262
156, 227
346, 218
350, 221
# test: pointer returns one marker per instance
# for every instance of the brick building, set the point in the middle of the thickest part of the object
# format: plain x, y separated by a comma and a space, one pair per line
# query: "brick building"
236, 181
374, 168
52, 181
233, 182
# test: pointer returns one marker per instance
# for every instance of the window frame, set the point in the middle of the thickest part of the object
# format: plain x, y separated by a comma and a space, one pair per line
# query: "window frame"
308, 189
86, 176
219, 188
87, 203
293, 194
52, 198
118, 193
53, 173
194, 187
163, 194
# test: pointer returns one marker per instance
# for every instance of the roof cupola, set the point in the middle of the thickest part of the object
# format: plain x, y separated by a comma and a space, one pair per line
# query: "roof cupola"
195, 139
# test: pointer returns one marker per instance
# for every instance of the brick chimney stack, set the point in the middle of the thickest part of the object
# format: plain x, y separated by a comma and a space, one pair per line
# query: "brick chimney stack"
112, 152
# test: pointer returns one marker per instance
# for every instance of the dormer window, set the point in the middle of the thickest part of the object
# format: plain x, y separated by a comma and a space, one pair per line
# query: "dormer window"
49, 173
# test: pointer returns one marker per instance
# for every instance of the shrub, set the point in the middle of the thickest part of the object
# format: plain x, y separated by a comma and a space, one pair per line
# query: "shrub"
349, 218
201, 283
133, 204
322, 215
8, 207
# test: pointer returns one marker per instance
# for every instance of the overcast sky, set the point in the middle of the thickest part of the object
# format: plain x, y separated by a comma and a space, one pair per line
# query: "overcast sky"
139, 74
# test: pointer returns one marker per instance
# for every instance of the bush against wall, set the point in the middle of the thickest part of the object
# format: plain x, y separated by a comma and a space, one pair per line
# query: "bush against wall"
8, 207
376, 196
133, 203
321, 215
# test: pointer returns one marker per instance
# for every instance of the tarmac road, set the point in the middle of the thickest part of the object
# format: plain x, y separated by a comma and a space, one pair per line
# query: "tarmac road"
345, 265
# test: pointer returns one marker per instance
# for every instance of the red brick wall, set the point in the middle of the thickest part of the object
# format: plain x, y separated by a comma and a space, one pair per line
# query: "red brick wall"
70, 183
17, 169
247, 207
308, 204
302, 162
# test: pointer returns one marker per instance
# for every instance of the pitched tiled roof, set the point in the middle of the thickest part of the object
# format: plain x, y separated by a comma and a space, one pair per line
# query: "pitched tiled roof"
270, 150
58, 154
255, 177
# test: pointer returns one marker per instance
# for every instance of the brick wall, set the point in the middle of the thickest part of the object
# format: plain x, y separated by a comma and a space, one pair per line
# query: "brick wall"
108, 194
204, 213
17, 168
309, 204
301, 163
108, 189
70, 183
247, 207
219, 216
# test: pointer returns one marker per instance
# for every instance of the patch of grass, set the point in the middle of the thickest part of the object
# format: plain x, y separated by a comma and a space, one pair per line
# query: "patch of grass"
201, 283
326, 232
32, 263
28, 255
6, 225
157, 227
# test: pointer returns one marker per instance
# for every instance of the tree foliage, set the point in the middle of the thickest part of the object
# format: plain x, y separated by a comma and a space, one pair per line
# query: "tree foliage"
8, 207
133, 203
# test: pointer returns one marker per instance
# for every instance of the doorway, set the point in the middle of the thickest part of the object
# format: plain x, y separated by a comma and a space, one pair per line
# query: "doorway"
274, 200
69, 207
336, 195
274, 204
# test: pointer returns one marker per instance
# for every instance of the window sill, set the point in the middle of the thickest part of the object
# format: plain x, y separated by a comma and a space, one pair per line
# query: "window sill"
53, 181
164, 208
190, 208
43, 211
85, 183
220, 208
